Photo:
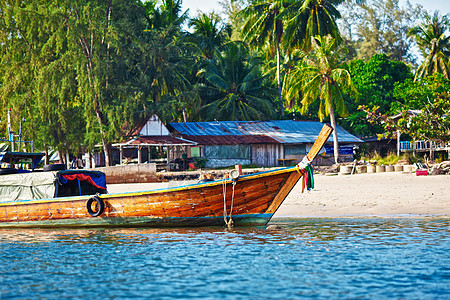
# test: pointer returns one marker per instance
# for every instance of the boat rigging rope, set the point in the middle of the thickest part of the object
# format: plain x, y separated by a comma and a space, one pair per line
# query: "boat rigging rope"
229, 222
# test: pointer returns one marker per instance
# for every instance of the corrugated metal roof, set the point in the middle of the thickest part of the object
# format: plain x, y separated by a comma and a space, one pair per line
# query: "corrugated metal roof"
231, 139
284, 131
156, 141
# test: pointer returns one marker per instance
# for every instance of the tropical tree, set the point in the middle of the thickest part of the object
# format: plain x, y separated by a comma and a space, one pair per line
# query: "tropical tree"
435, 45
264, 27
235, 87
164, 14
208, 34
429, 100
380, 27
375, 81
309, 18
320, 78
231, 10
168, 57
103, 39
39, 79
79, 66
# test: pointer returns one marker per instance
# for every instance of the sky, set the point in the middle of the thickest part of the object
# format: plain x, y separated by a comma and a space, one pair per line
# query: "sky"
208, 5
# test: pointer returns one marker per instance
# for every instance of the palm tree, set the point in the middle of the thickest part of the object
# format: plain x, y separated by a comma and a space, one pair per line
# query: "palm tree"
320, 78
167, 13
235, 87
167, 63
309, 18
208, 34
263, 24
434, 44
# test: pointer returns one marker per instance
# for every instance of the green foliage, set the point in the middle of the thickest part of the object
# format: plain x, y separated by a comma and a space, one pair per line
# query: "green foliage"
431, 96
84, 73
380, 27
235, 87
432, 39
208, 35
78, 66
431, 122
263, 29
231, 9
375, 81
167, 14
319, 78
309, 18
200, 162
390, 159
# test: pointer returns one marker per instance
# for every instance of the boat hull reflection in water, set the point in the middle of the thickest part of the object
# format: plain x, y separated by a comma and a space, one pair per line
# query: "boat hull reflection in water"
324, 259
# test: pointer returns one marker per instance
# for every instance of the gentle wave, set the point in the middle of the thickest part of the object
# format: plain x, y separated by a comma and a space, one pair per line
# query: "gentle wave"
302, 258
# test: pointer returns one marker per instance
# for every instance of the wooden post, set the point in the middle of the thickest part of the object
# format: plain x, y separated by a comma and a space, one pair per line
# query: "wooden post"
47, 160
149, 154
67, 161
120, 154
168, 158
398, 142
139, 155
87, 159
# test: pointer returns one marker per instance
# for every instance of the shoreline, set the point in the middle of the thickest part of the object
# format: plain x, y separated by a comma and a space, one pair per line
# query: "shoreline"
383, 195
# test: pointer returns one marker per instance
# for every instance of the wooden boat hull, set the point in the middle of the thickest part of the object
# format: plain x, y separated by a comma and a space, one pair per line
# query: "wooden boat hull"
256, 198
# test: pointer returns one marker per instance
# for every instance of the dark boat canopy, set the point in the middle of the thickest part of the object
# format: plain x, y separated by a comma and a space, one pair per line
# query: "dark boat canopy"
47, 185
21, 158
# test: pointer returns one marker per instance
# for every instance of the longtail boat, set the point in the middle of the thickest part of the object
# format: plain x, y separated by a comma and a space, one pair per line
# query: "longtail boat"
247, 200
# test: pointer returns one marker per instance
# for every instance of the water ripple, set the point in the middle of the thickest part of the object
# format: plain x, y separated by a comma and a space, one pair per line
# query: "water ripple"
306, 258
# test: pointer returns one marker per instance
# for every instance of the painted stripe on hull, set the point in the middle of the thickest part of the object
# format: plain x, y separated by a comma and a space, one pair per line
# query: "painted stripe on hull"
240, 220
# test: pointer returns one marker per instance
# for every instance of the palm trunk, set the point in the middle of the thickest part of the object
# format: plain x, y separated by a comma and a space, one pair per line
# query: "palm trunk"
280, 98
61, 157
335, 138
103, 124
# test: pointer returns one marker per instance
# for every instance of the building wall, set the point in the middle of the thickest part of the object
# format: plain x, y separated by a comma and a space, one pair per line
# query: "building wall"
226, 155
223, 162
266, 155
154, 126
262, 155
135, 173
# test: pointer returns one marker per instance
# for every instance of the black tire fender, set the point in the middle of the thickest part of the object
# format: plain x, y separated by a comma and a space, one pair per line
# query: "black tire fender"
100, 205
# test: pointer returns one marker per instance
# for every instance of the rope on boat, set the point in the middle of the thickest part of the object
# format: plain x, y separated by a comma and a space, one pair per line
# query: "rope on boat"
228, 222
306, 169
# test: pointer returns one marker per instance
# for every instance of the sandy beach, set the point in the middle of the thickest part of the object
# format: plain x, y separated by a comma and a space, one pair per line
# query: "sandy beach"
377, 194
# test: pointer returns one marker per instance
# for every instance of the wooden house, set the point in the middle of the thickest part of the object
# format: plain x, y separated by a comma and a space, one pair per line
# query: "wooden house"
259, 143
152, 133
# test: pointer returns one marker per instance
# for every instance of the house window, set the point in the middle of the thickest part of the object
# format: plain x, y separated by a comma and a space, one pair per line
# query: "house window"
195, 152
295, 150
228, 152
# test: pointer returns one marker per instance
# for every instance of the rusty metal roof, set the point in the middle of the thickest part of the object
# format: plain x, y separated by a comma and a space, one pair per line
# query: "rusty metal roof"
157, 141
281, 131
231, 139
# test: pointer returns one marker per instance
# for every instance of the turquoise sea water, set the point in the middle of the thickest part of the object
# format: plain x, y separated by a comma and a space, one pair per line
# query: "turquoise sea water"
307, 258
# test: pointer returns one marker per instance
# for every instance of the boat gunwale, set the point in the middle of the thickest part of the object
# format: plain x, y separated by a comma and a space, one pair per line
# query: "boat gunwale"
154, 191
